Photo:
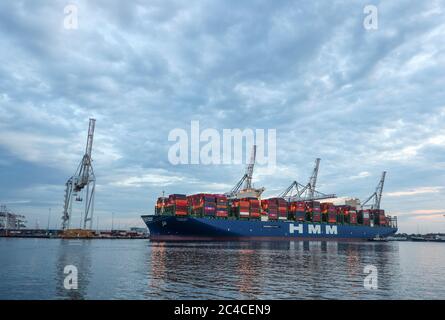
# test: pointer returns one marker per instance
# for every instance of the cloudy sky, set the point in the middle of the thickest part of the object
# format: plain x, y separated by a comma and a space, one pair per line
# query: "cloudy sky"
362, 100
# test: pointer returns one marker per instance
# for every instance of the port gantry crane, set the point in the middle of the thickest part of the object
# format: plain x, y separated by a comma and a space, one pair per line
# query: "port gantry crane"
299, 192
82, 180
10, 220
377, 195
248, 190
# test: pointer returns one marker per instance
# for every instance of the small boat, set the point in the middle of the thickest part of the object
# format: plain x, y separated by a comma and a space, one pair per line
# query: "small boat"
438, 238
379, 238
397, 238
416, 238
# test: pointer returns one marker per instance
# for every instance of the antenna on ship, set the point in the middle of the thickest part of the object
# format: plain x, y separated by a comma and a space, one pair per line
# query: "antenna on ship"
306, 192
83, 178
248, 190
377, 195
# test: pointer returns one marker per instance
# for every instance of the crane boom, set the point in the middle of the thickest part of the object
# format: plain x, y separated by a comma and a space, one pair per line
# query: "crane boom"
90, 137
248, 190
313, 179
237, 187
380, 190
377, 195
86, 163
289, 189
306, 192
249, 169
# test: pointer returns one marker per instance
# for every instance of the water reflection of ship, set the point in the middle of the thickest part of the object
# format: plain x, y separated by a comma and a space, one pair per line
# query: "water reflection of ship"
248, 272
76, 253
205, 266
306, 256
352, 261
158, 265
379, 255
255, 266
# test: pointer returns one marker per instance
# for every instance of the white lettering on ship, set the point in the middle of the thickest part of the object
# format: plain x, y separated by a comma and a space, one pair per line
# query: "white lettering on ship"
331, 230
314, 229
298, 228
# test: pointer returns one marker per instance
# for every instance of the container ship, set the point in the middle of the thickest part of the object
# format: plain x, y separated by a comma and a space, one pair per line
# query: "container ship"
299, 213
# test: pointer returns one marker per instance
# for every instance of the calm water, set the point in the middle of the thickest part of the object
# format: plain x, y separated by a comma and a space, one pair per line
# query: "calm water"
139, 269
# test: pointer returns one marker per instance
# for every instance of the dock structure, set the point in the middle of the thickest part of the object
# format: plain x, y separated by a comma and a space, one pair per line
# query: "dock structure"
10, 220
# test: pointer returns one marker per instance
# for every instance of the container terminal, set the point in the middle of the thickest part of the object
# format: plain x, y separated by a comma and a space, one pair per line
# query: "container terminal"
80, 189
300, 211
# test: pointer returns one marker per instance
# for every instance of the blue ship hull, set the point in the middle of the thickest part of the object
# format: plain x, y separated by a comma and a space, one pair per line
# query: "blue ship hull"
164, 228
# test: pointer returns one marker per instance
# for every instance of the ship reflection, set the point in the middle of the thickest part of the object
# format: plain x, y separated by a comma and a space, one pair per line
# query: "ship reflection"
207, 266
249, 275
258, 270
158, 265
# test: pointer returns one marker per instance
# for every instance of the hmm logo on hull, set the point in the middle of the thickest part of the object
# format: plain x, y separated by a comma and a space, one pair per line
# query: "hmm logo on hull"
312, 229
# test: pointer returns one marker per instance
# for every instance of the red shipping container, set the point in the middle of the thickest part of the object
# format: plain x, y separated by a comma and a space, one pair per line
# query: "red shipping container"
244, 214
221, 213
300, 216
181, 212
273, 216
316, 217
353, 217
332, 217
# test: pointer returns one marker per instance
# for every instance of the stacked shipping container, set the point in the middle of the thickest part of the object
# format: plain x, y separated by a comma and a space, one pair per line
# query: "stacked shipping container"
363, 217
246, 208
242, 207
277, 208
314, 211
160, 204
202, 204
343, 213
221, 206
352, 216
329, 212
271, 208
379, 217
177, 204
210, 205
255, 209
297, 210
